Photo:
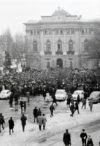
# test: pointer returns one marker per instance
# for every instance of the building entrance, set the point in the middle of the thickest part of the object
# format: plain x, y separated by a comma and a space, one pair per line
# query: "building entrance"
60, 63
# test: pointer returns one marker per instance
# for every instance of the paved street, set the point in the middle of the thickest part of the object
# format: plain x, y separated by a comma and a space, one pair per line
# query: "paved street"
55, 127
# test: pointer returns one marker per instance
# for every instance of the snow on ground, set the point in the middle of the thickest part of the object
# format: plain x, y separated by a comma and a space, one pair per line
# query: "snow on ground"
55, 128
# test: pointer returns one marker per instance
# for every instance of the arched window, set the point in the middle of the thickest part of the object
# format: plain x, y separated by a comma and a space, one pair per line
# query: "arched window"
35, 46
70, 44
48, 46
86, 45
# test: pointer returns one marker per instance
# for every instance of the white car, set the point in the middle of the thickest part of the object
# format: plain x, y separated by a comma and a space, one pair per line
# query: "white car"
61, 95
5, 94
77, 93
95, 97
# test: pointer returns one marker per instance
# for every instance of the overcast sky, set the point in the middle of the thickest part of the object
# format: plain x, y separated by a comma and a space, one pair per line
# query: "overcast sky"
13, 13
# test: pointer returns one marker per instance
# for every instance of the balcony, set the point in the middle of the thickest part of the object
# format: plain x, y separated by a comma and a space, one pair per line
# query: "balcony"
48, 52
59, 52
71, 52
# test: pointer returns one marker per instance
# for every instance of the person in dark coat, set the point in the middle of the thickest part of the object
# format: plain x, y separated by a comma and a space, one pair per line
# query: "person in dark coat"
77, 106
84, 103
72, 109
24, 106
51, 109
39, 112
2, 121
28, 97
40, 121
23, 121
68, 101
54, 99
35, 113
11, 99
67, 138
89, 141
11, 125
78, 99
21, 106
83, 136
44, 94
90, 105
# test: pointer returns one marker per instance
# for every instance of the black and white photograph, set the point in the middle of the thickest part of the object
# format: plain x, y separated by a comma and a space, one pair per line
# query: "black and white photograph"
49, 72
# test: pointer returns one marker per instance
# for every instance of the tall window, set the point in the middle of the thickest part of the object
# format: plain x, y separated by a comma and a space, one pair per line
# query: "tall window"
48, 65
86, 45
35, 46
70, 43
59, 45
48, 46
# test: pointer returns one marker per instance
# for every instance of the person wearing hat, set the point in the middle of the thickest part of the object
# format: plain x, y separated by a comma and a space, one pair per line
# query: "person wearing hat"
67, 138
83, 136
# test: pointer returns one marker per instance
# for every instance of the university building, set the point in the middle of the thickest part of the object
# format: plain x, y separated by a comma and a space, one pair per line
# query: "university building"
59, 40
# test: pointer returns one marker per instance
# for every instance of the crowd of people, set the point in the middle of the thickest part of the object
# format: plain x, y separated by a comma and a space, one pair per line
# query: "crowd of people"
39, 82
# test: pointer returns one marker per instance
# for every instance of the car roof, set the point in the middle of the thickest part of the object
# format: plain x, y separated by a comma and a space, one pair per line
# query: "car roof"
95, 93
60, 90
79, 91
5, 90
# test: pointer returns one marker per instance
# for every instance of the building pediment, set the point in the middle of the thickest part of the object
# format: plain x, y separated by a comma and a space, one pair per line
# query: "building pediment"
60, 15
60, 12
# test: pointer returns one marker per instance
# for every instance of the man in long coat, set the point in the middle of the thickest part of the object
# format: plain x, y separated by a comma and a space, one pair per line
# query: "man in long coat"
23, 121
67, 138
11, 125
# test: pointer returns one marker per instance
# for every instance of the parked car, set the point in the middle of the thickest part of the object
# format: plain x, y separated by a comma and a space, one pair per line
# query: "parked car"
61, 95
95, 96
77, 93
5, 94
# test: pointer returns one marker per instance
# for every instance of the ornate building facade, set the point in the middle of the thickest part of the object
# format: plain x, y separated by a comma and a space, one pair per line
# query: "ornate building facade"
59, 40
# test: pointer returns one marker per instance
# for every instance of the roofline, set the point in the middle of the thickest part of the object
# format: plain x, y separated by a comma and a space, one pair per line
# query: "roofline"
62, 22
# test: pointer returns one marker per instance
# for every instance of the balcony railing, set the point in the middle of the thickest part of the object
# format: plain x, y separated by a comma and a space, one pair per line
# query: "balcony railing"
59, 52
48, 52
71, 52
